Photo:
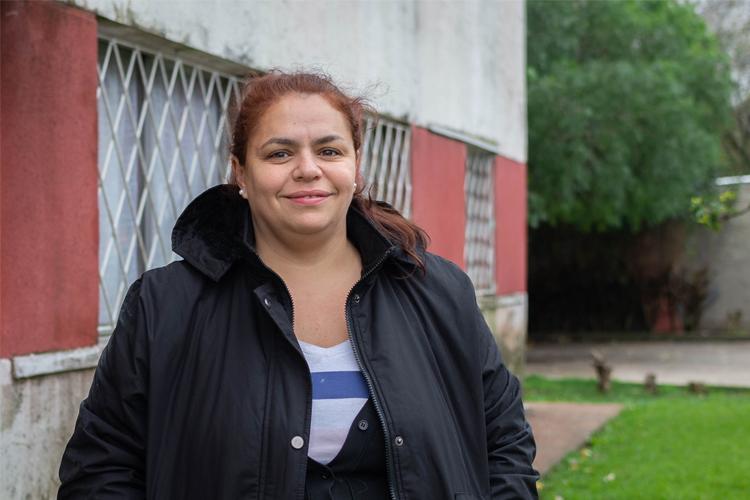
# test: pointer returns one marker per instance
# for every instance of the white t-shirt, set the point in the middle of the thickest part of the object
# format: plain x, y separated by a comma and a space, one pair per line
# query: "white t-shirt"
339, 393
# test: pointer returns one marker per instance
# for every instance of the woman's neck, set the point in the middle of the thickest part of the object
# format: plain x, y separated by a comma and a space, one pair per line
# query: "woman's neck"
305, 253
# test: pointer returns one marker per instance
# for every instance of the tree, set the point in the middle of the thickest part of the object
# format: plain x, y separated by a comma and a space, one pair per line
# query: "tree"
628, 102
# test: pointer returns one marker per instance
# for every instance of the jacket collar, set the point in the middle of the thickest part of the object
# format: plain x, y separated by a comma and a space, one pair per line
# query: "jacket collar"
216, 230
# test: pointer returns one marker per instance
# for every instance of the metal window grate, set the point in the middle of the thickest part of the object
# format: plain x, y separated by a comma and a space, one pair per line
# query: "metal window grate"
480, 220
386, 163
162, 140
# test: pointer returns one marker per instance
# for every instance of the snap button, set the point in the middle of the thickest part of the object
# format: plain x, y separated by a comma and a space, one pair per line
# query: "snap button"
324, 476
399, 441
298, 442
363, 425
356, 298
267, 302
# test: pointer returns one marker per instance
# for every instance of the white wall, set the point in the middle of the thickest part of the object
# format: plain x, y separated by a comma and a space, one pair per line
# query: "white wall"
455, 64
726, 255
37, 417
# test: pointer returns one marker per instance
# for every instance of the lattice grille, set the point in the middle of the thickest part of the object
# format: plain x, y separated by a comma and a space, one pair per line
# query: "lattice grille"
162, 141
480, 220
386, 164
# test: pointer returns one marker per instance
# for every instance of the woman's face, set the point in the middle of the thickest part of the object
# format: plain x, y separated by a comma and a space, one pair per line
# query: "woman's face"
300, 168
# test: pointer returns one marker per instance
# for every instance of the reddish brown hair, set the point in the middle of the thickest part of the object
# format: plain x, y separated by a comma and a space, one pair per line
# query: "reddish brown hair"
260, 92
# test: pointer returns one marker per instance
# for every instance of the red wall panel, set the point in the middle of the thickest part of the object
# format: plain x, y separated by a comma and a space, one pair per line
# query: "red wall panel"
438, 198
48, 178
510, 226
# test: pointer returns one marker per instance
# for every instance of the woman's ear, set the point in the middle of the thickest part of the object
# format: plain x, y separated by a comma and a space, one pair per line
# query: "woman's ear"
238, 172
238, 175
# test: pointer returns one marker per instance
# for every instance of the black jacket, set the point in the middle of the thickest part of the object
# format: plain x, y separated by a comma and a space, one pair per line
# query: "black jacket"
203, 387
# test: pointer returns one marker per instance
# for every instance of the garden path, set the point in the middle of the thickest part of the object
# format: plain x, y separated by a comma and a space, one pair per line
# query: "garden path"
563, 427
719, 363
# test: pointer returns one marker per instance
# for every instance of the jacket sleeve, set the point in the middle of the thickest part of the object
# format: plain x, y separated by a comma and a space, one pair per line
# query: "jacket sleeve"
510, 442
105, 457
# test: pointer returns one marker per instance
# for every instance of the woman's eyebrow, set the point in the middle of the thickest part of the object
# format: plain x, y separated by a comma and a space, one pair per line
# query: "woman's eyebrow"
279, 140
328, 138
285, 141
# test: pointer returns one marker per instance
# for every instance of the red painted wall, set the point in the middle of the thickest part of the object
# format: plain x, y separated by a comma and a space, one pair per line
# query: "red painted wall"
48, 178
438, 199
510, 226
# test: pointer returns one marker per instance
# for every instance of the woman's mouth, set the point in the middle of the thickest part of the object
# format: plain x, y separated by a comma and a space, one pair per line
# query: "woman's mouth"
308, 197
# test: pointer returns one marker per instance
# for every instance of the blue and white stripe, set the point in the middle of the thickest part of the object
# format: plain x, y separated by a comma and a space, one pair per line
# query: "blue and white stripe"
339, 393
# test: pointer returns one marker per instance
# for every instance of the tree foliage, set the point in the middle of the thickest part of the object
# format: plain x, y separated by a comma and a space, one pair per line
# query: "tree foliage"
627, 105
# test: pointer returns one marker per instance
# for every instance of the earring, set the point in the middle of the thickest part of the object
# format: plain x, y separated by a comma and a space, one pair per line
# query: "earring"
355, 186
242, 193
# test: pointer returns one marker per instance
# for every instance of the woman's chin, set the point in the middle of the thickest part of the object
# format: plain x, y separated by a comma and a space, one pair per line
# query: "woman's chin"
311, 226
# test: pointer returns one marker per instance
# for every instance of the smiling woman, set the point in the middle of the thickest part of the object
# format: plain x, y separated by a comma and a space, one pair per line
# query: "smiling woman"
299, 172
308, 346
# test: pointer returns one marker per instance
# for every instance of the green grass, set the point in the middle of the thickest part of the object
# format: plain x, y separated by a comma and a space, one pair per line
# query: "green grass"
536, 388
674, 445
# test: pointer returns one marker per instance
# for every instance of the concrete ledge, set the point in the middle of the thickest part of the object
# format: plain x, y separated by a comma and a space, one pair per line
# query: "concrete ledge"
506, 316
485, 144
499, 301
35, 365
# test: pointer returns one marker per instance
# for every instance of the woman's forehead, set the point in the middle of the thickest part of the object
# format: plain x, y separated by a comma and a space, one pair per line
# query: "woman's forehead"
301, 115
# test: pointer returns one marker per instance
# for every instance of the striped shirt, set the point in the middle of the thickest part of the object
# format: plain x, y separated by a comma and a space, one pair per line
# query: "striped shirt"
339, 393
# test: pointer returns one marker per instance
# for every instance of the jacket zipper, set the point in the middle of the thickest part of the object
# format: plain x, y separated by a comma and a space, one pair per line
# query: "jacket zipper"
368, 379
365, 373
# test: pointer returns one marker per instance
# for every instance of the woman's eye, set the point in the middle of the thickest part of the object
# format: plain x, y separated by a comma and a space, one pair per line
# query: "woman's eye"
279, 155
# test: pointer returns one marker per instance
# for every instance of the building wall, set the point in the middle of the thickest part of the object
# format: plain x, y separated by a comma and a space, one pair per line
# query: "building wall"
49, 224
438, 171
453, 70
510, 227
37, 416
454, 64
726, 257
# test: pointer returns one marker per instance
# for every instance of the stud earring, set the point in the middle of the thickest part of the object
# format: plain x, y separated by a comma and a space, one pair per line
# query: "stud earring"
355, 186
242, 193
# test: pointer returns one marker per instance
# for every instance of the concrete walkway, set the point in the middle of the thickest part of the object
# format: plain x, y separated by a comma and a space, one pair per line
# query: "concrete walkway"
563, 427
713, 363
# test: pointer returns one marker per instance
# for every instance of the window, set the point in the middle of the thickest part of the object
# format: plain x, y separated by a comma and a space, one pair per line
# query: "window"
162, 140
386, 164
480, 220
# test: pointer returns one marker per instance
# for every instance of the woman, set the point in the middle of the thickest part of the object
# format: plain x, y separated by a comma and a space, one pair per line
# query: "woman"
306, 347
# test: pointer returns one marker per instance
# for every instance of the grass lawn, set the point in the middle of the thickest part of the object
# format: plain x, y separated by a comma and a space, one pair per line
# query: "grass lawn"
674, 445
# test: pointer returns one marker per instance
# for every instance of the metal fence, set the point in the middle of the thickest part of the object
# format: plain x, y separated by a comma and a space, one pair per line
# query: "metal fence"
480, 220
162, 140
386, 162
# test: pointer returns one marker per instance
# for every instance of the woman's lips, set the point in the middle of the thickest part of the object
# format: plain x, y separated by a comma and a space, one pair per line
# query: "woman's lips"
308, 198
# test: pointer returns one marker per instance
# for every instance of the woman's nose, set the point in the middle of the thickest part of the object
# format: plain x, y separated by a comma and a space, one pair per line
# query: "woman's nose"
307, 167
